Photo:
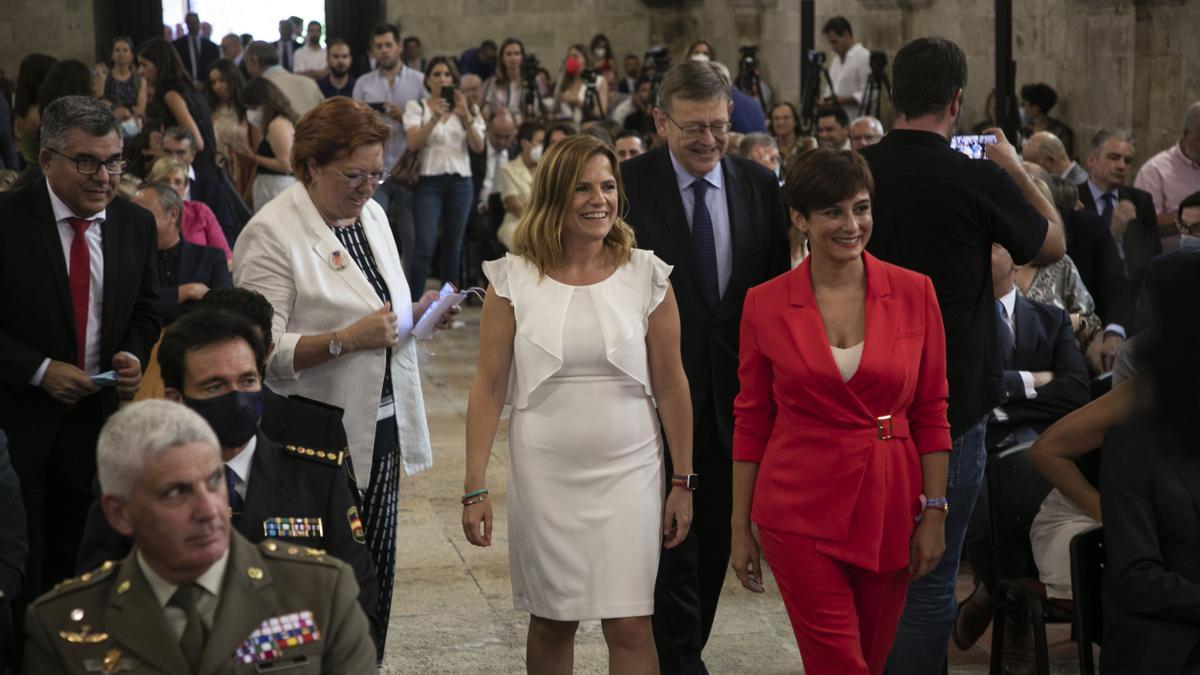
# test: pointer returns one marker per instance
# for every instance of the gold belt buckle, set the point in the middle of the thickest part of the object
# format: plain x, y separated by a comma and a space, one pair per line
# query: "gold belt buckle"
883, 428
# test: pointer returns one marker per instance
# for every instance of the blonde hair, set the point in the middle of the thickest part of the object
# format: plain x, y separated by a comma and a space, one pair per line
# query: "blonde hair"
538, 236
165, 167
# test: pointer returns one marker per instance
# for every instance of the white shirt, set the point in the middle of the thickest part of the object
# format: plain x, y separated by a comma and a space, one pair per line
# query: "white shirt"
445, 150
242, 464
495, 160
373, 87
849, 76
66, 235
210, 581
309, 58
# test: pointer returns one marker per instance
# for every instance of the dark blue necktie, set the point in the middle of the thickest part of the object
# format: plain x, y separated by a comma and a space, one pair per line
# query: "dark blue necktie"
1008, 345
235, 500
706, 245
1109, 204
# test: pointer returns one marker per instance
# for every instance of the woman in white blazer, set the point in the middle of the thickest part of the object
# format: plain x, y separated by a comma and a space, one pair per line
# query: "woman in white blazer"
323, 254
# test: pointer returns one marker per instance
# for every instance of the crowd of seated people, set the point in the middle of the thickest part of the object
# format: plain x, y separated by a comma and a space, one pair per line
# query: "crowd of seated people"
208, 137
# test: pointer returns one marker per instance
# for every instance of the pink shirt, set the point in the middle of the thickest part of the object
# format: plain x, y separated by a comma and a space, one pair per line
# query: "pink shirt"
200, 226
1169, 177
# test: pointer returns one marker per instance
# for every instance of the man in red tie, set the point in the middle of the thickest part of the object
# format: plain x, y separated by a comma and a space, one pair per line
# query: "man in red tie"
77, 322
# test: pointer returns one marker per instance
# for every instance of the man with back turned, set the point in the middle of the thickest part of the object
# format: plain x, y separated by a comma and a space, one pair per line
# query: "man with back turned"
937, 212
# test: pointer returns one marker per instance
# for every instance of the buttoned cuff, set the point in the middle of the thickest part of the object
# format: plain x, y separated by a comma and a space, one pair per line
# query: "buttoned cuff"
1115, 329
39, 374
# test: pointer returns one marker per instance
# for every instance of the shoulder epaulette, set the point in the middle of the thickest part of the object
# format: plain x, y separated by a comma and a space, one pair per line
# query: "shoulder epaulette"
82, 581
281, 550
330, 457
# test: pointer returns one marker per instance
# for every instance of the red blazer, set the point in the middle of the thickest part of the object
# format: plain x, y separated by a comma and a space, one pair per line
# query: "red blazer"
832, 467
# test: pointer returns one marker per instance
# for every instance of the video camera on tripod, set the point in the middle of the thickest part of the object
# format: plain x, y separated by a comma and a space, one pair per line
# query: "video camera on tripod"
877, 83
747, 78
662, 63
531, 107
812, 68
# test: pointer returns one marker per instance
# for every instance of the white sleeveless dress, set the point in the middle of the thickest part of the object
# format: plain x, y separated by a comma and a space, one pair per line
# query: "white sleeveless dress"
586, 484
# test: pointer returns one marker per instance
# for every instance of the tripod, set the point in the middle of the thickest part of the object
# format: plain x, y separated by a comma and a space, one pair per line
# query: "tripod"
748, 83
877, 86
591, 100
532, 107
813, 72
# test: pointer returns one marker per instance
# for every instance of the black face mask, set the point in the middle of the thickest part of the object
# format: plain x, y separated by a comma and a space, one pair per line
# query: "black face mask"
233, 416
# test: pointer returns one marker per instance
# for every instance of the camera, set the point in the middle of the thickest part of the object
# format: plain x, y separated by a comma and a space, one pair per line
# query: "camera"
589, 76
815, 57
749, 56
878, 62
661, 59
529, 68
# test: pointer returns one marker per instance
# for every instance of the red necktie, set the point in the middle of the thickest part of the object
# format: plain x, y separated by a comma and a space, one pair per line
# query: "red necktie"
80, 281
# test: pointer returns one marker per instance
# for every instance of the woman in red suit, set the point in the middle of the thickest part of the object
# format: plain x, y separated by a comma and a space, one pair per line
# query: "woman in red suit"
840, 442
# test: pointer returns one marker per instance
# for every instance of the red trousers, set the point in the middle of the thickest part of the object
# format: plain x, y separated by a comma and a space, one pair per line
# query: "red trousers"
844, 617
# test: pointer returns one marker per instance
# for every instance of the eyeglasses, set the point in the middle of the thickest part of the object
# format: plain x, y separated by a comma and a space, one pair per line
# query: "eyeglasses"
1190, 228
693, 131
356, 180
89, 165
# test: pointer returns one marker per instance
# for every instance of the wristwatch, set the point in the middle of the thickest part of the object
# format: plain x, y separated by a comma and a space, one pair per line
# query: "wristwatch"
335, 346
689, 481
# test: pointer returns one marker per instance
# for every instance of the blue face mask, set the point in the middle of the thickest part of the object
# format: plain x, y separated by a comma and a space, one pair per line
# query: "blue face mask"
130, 128
233, 416
1189, 243
1021, 114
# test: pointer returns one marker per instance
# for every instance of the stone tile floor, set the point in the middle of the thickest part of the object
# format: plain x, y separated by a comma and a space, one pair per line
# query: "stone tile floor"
452, 608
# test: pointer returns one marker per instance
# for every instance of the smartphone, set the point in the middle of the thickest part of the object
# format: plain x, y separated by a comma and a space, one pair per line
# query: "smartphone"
377, 106
971, 145
448, 94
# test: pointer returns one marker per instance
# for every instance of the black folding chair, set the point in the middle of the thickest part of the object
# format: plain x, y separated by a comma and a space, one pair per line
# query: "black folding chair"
1087, 570
1016, 490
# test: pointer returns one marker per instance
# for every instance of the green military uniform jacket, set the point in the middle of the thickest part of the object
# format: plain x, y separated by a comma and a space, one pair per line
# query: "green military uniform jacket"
109, 621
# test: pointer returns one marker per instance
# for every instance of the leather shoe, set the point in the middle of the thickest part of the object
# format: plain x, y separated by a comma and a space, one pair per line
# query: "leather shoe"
974, 616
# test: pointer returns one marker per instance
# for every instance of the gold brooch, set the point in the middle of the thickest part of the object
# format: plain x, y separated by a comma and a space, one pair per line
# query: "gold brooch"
83, 637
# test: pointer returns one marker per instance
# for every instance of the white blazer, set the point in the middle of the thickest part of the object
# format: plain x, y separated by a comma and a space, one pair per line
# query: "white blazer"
287, 253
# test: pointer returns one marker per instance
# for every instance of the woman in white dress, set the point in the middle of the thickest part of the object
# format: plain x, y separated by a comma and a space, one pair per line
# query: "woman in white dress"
589, 328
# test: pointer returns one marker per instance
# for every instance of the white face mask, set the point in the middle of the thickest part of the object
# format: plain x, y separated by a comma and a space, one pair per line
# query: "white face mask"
535, 155
254, 117
600, 52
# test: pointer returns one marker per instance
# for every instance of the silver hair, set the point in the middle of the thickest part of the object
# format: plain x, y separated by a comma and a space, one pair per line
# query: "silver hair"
167, 199
1191, 118
693, 80
872, 121
85, 113
140, 431
1104, 135
753, 140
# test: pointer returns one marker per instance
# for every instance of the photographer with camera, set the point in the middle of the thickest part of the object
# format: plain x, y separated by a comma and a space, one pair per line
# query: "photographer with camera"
849, 68
442, 127
581, 94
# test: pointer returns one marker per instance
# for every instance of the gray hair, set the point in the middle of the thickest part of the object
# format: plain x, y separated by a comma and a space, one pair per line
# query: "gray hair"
264, 53
1191, 117
168, 199
754, 140
872, 122
85, 113
140, 431
1048, 146
1103, 137
1065, 193
693, 80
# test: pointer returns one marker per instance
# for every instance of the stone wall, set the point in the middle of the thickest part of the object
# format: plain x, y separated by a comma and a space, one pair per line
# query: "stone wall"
62, 28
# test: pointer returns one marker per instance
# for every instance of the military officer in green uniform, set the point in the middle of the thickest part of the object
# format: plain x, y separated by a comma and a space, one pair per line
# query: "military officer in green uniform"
211, 362
192, 597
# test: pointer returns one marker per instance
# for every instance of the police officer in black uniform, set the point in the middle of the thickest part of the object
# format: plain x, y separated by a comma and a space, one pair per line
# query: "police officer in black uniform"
212, 362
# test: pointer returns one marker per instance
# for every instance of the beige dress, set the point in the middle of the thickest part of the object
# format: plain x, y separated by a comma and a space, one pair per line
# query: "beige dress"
586, 484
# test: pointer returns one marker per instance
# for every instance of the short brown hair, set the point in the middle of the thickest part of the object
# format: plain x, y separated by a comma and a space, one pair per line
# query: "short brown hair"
336, 128
823, 177
538, 236
693, 80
